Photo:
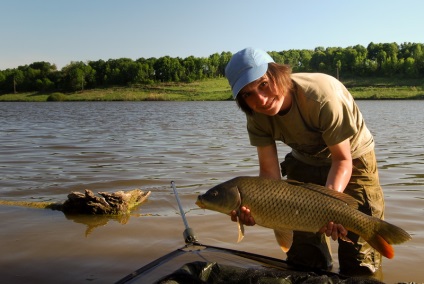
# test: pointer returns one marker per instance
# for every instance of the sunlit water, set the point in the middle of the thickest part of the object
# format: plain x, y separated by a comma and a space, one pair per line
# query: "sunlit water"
50, 149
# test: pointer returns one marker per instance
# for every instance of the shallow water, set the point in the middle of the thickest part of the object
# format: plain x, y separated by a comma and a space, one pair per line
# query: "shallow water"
50, 149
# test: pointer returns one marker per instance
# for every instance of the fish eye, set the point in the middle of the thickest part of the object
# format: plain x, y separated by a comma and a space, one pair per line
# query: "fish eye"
214, 193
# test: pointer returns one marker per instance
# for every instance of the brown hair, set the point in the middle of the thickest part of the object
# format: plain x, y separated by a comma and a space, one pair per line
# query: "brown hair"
279, 75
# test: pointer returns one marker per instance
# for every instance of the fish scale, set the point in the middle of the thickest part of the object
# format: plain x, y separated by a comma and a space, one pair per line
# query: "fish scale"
281, 208
285, 206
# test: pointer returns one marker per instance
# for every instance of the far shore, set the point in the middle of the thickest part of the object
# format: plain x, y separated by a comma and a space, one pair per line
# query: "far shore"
215, 90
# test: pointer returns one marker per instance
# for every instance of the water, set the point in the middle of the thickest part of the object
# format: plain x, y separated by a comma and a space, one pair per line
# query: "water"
50, 149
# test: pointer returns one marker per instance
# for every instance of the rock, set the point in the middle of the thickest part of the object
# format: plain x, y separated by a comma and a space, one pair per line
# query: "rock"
115, 203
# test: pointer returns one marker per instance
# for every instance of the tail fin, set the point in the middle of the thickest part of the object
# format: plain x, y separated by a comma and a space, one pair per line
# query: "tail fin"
386, 234
381, 246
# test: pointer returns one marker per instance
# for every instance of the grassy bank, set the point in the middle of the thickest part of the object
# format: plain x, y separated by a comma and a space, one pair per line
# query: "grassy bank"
385, 88
215, 89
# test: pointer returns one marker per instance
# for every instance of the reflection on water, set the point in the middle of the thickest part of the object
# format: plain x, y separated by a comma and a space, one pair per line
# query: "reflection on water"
50, 149
94, 221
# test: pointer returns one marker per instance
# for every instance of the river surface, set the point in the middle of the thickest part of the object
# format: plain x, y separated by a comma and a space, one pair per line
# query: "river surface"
48, 150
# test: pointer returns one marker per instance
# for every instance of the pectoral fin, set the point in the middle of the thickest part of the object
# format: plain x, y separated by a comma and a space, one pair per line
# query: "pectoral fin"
346, 239
240, 230
284, 239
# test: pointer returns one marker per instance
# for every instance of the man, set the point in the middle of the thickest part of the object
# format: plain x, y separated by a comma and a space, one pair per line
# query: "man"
317, 117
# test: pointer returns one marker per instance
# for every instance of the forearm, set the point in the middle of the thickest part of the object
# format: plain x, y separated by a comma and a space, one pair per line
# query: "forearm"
338, 178
273, 173
341, 166
339, 175
269, 166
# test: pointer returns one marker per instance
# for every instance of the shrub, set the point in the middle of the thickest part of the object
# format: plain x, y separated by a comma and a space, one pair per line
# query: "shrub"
56, 97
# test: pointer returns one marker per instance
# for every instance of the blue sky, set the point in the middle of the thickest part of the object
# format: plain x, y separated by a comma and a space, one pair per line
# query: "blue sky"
60, 31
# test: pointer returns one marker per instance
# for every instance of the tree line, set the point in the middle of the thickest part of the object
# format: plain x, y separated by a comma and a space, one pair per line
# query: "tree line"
404, 60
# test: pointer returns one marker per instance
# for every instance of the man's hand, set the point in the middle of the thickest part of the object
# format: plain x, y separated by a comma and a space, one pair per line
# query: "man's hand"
245, 217
335, 231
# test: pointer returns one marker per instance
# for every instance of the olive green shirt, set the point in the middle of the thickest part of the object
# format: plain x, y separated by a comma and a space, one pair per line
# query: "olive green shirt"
323, 113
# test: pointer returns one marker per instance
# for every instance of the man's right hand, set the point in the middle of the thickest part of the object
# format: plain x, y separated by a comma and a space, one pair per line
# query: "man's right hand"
245, 217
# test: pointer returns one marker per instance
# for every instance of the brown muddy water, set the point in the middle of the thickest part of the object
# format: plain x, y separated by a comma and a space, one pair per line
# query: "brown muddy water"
50, 149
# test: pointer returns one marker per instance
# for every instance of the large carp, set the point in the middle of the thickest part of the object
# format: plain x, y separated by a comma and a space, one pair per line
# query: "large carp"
285, 205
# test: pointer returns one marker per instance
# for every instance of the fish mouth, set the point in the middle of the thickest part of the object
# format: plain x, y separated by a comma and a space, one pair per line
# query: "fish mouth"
200, 203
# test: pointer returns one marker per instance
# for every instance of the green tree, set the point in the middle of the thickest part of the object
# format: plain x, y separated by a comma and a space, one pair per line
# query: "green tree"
223, 61
377, 59
318, 60
15, 79
168, 69
2, 81
381, 58
305, 60
40, 76
277, 57
213, 65
122, 71
292, 58
44, 84
409, 67
190, 69
335, 60
147, 71
357, 60
416, 52
100, 76
31, 76
78, 76
373, 50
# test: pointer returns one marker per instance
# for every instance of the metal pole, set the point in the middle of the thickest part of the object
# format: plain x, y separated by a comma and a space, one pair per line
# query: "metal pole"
188, 234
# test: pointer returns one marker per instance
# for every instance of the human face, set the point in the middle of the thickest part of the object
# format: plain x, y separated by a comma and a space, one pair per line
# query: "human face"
262, 96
